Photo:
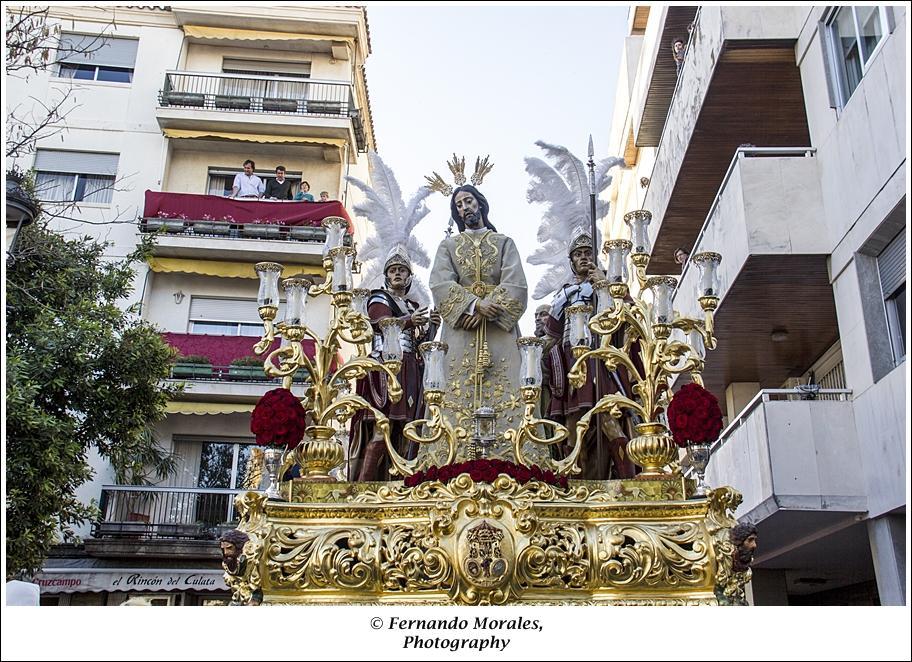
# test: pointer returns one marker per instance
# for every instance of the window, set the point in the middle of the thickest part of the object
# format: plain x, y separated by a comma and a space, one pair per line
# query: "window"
225, 317
93, 57
891, 263
64, 176
222, 179
854, 35
215, 463
251, 73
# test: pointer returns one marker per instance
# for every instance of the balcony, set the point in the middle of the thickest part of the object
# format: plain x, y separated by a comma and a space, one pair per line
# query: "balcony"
798, 465
219, 381
150, 521
216, 102
210, 227
659, 86
739, 85
767, 221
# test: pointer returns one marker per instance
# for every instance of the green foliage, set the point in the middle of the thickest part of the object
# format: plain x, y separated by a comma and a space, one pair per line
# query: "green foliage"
82, 375
248, 361
193, 359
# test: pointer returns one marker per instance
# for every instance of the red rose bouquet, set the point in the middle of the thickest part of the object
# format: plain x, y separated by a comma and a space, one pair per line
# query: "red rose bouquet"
694, 416
278, 419
487, 471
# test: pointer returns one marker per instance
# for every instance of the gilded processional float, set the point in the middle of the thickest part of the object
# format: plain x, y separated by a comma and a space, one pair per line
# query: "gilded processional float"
483, 502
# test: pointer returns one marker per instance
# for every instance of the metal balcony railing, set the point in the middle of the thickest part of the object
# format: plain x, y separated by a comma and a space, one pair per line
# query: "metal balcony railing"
257, 94
222, 229
132, 511
232, 373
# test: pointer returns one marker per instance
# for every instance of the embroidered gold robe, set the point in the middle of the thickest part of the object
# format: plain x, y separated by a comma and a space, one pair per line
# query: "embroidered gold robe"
482, 363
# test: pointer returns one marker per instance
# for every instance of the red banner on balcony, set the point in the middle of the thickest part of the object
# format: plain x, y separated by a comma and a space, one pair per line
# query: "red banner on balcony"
193, 207
222, 350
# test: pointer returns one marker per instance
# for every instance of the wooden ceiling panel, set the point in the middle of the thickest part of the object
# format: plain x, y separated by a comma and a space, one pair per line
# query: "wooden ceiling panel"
772, 292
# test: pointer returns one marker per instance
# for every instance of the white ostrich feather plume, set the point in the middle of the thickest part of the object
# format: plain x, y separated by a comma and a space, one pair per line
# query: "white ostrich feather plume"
564, 190
394, 224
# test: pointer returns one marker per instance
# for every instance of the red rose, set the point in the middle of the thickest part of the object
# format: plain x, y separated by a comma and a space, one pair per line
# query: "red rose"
278, 419
694, 416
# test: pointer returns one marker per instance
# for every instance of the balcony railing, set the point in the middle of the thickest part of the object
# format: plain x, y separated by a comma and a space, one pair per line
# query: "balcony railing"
220, 373
257, 94
225, 230
131, 511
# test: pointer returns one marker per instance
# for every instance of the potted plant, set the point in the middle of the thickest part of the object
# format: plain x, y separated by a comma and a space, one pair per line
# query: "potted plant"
246, 368
262, 228
193, 366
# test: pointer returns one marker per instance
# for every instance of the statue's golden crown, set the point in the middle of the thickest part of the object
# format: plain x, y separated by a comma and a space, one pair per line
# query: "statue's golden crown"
457, 167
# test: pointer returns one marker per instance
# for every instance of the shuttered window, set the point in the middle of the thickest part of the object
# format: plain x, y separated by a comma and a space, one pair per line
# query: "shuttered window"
93, 57
66, 176
225, 317
891, 264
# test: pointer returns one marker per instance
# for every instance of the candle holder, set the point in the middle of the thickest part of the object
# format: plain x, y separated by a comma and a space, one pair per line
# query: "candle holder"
327, 396
649, 328
435, 428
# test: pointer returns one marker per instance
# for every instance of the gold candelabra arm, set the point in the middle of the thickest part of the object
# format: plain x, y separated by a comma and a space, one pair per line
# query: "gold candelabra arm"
610, 356
267, 314
291, 357
527, 431
355, 329
436, 429
358, 368
612, 404
326, 286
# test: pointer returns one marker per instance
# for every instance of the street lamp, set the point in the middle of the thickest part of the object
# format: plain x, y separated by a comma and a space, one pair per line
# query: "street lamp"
20, 208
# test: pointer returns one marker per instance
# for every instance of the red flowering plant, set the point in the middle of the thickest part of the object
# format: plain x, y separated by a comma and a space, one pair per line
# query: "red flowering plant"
487, 471
694, 416
279, 419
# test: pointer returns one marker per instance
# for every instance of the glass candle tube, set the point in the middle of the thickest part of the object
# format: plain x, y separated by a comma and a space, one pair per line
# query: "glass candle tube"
391, 330
580, 334
342, 258
662, 288
434, 354
360, 296
335, 232
618, 250
530, 355
708, 280
295, 300
268, 272
638, 222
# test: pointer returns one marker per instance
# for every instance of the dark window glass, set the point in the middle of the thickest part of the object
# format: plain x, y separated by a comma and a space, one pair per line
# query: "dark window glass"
115, 75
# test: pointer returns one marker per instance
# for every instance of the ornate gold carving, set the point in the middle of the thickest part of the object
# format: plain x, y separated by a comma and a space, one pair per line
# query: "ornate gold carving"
341, 558
412, 560
654, 555
558, 557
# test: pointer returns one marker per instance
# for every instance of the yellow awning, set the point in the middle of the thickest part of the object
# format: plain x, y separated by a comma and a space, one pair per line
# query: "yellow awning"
206, 32
200, 408
253, 137
222, 269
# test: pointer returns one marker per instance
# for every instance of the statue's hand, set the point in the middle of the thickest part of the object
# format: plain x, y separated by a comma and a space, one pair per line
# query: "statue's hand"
488, 309
435, 318
420, 317
469, 322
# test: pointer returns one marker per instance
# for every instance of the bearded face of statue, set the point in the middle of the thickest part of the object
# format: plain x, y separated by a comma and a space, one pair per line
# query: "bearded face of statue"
467, 208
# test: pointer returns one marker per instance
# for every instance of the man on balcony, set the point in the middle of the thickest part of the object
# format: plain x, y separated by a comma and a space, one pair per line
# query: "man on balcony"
279, 188
246, 184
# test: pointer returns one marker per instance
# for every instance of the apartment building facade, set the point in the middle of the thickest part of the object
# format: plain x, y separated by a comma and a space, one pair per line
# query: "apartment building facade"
164, 104
780, 143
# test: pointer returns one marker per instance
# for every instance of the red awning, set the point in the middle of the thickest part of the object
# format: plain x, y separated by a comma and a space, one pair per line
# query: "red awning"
193, 207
